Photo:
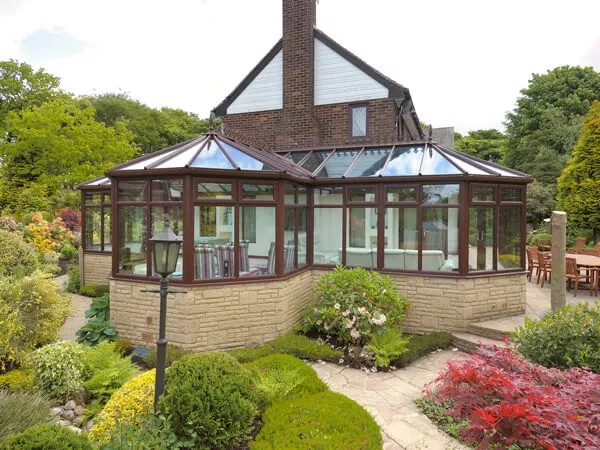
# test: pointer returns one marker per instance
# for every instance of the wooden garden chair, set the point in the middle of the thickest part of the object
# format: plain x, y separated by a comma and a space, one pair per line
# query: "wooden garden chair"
573, 274
532, 262
545, 267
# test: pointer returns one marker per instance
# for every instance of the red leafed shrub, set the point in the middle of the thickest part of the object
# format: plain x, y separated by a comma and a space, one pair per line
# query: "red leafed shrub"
71, 218
509, 401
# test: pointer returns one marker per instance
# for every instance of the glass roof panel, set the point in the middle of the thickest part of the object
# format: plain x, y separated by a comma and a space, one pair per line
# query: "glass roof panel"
469, 168
336, 166
211, 157
315, 160
181, 159
146, 162
435, 164
370, 162
243, 160
405, 161
296, 157
502, 172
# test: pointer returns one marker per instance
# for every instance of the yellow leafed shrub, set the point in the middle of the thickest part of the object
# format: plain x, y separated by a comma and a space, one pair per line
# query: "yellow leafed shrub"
128, 406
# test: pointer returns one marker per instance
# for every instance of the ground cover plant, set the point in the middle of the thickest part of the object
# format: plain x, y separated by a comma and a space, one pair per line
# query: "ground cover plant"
498, 400
326, 420
47, 436
21, 410
566, 338
98, 327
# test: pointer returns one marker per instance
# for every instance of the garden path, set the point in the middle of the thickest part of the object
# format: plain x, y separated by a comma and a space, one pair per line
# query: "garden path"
389, 397
77, 318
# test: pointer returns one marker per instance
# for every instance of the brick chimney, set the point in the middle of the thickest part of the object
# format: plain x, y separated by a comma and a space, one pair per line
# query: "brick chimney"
299, 126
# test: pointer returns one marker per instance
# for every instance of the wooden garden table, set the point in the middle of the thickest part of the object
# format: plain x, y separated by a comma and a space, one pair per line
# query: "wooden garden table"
588, 262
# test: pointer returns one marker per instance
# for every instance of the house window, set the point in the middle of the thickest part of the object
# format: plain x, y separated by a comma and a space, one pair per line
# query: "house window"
358, 120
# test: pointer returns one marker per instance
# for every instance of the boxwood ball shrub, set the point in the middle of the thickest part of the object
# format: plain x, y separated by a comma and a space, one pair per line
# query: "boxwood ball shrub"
566, 338
17, 258
283, 376
129, 406
21, 410
210, 398
46, 437
326, 420
58, 370
352, 304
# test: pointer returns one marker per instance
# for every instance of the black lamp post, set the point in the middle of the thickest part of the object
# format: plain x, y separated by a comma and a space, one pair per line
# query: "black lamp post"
165, 251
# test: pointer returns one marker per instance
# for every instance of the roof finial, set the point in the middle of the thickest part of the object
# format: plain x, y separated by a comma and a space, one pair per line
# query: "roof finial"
430, 132
211, 124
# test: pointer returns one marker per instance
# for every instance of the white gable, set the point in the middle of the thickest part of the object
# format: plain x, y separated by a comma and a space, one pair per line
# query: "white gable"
265, 92
337, 80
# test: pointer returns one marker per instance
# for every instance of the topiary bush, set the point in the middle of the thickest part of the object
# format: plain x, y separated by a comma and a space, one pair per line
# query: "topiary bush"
210, 398
21, 410
283, 376
129, 406
173, 354
289, 344
94, 290
123, 347
32, 310
420, 345
58, 370
68, 253
353, 304
566, 338
16, 258
326, 420
17, 380
46, 437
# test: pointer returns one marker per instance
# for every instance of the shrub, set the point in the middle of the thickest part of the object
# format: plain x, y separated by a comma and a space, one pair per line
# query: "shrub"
210, 398
130, 405
68, 253
71, 218
47, 436
534, 237
47, 236
16, 258
421, 345
94, 290
21, 410
566, 338
17, 380
326, 420
289, 344
58, 369
32, 310
153, 432
503, 400
387, 346
9, 223
106, 371
98, 328
283, 376
173, 354
123, 347
74, 280
352, 304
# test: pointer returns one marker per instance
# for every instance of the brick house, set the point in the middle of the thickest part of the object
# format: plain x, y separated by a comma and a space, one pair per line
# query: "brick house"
309, 91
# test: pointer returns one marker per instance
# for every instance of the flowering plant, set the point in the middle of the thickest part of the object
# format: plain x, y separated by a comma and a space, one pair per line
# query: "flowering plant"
9, 223
352, 305
47, 236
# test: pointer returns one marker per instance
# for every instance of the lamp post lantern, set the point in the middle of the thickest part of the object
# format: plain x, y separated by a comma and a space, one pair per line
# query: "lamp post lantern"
165, 251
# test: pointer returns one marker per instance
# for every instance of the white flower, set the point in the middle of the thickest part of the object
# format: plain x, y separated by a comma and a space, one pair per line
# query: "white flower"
378, 319
355, 333
336, 306
319, 322
350, 323
345, 313
326, 325
362, 310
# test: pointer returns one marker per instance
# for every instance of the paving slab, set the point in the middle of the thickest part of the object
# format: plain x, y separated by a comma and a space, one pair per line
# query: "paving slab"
77, 318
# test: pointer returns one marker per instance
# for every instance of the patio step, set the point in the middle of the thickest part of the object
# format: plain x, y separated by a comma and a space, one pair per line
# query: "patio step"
496, 329
469, 343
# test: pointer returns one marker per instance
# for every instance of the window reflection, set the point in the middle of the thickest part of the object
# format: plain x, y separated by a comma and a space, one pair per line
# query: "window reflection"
401, 239
481, 239
440, 239
404, 161
509, 238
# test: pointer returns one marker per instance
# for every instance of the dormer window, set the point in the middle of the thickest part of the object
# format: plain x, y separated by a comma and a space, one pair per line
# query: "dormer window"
358, 120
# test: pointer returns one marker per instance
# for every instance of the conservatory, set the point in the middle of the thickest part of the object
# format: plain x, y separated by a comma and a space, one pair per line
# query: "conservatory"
259, 228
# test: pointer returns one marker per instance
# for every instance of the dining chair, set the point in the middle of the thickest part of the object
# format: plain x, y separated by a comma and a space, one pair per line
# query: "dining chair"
532, 262
573, 274
545, 267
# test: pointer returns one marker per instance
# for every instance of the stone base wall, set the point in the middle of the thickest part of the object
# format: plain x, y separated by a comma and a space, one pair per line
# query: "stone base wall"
211, 317
95, 268
248, 314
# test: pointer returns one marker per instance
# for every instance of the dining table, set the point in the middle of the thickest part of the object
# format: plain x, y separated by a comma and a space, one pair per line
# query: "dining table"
588, 262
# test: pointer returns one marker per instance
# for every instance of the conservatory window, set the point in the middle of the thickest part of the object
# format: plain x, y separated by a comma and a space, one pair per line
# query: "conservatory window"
257, 241
132, 240
327, 245
361, 231
439, 237
481, 238
401, 239
509, 238
160, 216
214, 251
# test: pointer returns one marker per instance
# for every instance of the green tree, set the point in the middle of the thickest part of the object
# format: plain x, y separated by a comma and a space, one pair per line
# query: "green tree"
152, 129
485, 144
58, 145
579, 184
540, 202
21, 87
549, 115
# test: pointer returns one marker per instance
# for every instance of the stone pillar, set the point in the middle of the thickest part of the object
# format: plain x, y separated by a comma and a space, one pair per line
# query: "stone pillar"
559, 250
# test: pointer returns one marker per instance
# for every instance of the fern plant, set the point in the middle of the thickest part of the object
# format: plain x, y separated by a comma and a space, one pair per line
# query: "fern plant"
388, 346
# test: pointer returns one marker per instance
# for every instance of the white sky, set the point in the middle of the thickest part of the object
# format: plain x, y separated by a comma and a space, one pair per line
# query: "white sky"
463, 61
